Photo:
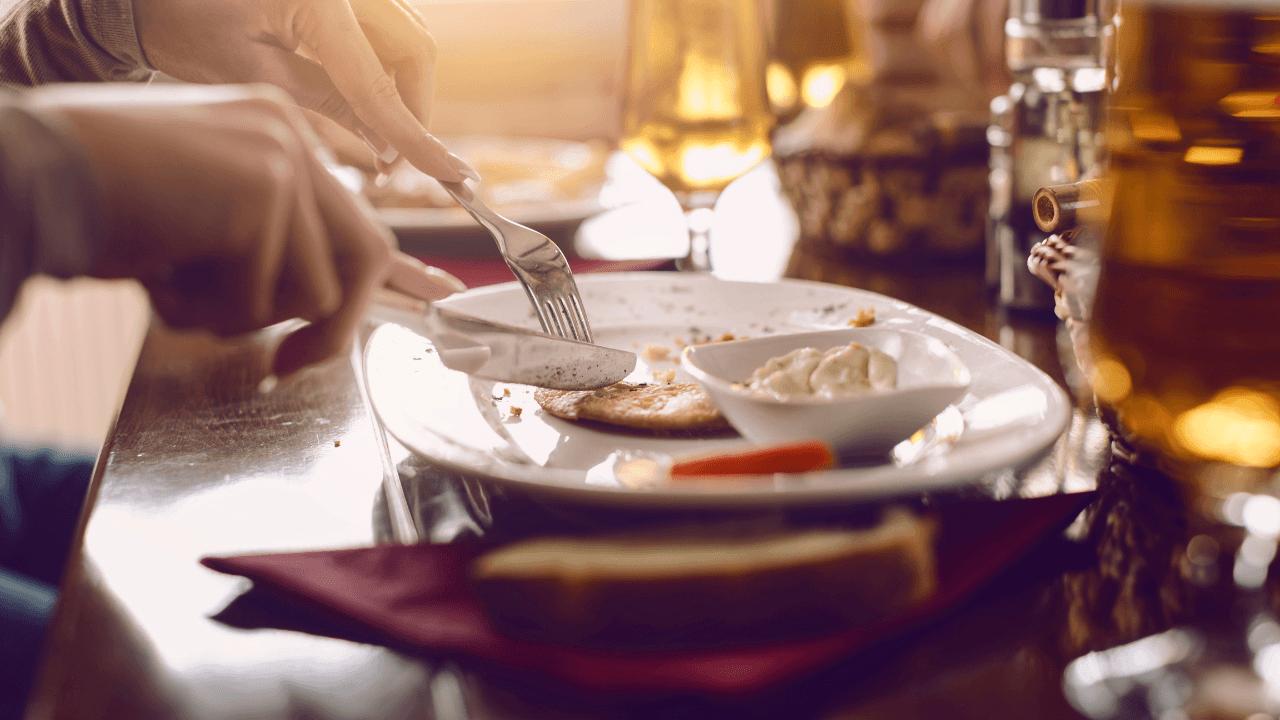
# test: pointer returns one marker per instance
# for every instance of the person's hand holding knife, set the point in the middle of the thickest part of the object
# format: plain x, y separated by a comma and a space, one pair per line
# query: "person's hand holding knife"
218, 200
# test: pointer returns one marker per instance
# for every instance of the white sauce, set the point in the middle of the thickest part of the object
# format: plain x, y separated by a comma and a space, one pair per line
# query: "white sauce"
841, 371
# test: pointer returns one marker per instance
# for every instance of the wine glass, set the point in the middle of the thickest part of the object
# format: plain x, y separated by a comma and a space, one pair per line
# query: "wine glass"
695, 111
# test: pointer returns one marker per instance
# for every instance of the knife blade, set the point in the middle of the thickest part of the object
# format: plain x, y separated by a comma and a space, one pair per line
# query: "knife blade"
506, 353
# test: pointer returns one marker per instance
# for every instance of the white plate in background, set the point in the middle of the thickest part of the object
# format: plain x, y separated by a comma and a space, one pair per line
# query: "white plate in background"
533, 181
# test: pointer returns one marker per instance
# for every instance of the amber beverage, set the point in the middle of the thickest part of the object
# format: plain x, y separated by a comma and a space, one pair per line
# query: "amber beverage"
1186, 325
696, 114
695, 111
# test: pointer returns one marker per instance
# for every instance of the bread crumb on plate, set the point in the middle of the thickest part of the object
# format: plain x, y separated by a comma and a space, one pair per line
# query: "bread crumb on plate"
665, 376
865, 317
654, 353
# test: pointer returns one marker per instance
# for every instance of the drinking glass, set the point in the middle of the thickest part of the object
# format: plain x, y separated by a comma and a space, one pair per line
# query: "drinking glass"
695, 111
1183, 351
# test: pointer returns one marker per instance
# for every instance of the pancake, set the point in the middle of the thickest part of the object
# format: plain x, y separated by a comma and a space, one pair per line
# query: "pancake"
668, 407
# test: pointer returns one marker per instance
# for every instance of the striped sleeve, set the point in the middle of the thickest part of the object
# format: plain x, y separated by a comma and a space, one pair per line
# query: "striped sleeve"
47, 41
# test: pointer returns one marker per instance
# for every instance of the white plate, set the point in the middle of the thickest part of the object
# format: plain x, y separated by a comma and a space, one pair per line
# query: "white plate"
534, 181
1011, 413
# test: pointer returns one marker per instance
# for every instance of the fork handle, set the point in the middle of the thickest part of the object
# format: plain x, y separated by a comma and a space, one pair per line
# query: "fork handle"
491, 220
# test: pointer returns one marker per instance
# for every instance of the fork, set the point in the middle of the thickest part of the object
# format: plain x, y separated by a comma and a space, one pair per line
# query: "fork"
538, 264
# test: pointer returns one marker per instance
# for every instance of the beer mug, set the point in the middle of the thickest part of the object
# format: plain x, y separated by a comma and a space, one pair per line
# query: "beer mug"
1185, 327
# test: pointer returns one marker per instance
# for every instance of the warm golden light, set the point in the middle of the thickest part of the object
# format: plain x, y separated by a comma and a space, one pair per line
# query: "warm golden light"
1211, 155
696, 111
1268, 47
643, 153
1252, 104
821, 84
715, 164
1154, 127
1237, 426
697, 163
1147, 416
781, 86
708, 90
1187, 289
1110, 380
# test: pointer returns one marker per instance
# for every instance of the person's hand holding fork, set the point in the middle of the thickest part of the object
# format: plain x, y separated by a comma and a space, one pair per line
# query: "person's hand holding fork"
368, 65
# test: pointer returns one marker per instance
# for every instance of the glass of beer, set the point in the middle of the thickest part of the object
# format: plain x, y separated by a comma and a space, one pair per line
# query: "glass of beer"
1186, 327
695, 111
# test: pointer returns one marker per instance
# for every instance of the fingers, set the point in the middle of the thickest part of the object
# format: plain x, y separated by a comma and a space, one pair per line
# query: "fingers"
400, 38
309, 286
347, 148
289, 269
333, 33
361, 247
278, 186
416, 279
417, 85
307, 82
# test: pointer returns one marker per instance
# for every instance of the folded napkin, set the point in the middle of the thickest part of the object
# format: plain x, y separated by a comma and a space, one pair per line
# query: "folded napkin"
420, 597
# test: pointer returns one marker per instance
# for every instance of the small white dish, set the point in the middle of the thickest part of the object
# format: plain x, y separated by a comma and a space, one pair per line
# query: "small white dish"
930, 377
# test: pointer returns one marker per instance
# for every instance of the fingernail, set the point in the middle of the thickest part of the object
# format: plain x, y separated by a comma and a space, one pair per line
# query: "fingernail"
450, 284
380, 147
451, 279
463, 168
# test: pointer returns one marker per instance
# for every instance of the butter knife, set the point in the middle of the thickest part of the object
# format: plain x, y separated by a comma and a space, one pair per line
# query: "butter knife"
501, 352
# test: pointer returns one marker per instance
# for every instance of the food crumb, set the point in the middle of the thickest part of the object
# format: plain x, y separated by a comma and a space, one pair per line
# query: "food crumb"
337, 443
723, 338
516, 410
506, 391
653, 353
679, 342
664, 375
865, 317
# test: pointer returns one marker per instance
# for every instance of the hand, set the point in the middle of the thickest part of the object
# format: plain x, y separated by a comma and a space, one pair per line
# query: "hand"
214, 199
369, 65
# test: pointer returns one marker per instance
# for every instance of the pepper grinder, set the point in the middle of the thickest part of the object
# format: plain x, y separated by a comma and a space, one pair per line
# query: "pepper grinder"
1047, 130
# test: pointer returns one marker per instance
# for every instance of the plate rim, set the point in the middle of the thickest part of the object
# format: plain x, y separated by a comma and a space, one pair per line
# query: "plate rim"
568, 484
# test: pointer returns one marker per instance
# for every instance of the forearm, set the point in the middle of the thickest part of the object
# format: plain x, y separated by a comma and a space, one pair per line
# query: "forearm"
46, 41
49, 203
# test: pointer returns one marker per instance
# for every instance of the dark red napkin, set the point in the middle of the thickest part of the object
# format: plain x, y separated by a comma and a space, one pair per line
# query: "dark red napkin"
420, 596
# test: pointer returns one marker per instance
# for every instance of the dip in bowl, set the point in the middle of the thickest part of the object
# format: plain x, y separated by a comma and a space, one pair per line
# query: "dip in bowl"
929, 376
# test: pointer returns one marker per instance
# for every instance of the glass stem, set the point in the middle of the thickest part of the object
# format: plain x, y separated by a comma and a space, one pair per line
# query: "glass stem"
698, 221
